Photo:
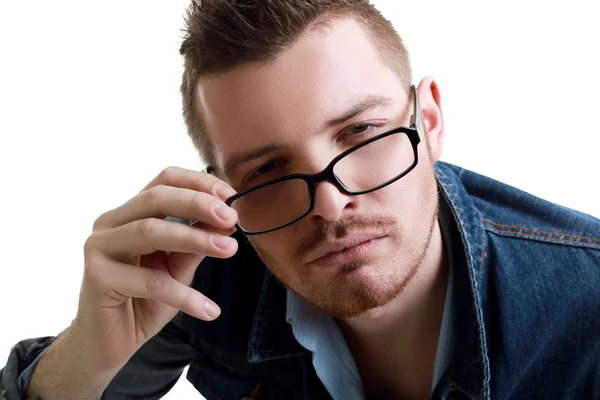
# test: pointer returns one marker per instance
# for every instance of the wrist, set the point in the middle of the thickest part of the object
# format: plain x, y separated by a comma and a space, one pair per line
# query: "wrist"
65, 372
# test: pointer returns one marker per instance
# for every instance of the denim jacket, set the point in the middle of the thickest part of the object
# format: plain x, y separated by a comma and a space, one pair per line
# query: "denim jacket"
527, 326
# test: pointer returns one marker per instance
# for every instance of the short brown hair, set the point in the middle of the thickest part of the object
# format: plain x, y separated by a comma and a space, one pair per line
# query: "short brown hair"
222, 34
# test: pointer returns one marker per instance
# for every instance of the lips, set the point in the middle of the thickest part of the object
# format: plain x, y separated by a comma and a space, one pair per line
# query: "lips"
350, 242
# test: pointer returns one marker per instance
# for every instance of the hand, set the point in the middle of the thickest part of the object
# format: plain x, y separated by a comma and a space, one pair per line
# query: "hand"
138, 266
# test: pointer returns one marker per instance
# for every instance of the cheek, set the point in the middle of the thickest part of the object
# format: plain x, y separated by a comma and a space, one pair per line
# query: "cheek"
274, 247
411, 198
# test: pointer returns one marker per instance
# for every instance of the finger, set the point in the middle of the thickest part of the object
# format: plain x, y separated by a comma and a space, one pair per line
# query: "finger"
182, 266
195, 180
200, 225
162, 201
152, 234
131, 281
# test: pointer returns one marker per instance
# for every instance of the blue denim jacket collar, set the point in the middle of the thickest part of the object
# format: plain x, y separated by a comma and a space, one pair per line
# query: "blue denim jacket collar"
272, 338
470, 370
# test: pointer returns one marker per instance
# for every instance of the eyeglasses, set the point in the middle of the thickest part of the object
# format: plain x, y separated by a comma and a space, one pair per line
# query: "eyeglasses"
370, 165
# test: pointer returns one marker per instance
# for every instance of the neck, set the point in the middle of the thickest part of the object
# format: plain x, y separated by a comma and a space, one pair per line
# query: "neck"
400, 339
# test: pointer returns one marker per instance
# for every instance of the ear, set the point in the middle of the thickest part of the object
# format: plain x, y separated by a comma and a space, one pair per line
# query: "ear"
431, 115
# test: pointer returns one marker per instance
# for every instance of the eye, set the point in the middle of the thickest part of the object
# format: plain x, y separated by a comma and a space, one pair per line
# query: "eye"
359, 128
360, 132
266, 168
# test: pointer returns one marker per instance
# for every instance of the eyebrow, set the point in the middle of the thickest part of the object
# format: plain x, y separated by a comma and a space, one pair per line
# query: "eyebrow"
237, 160
366, 104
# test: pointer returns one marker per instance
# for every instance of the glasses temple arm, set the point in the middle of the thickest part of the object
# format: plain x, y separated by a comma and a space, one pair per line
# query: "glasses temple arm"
415, 119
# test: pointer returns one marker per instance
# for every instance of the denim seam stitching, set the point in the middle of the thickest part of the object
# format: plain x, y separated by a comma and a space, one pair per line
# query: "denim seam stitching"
544, 239
269, 280
543, 231
483, 246
483, 365
459, 215
465, 232
253, 345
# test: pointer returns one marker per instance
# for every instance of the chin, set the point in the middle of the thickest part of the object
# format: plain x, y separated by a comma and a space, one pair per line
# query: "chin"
358, 288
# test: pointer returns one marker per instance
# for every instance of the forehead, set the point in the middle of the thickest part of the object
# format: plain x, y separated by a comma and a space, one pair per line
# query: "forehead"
289, 99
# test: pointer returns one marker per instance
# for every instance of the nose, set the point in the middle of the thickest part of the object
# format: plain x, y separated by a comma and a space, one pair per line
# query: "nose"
330, 203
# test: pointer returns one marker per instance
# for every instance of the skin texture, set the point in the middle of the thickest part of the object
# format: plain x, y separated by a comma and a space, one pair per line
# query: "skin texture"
389, 305
288, 102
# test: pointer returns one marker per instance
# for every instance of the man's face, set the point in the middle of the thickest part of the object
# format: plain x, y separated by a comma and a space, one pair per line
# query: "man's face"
289, 102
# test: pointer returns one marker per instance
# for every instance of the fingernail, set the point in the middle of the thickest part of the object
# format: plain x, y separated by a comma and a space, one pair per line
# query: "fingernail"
224, 191
223, 211
221, 241
212, 310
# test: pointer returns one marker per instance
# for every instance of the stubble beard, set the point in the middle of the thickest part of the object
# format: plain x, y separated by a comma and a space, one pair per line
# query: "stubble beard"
365, 285
360, 285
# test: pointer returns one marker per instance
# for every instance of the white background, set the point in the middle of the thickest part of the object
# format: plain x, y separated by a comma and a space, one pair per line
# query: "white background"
90, 112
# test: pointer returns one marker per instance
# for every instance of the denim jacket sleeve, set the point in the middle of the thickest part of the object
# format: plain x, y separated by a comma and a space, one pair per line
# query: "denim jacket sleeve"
149, 374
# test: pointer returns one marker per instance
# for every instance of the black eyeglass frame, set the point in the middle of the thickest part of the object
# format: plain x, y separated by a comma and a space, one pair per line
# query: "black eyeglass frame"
312, 180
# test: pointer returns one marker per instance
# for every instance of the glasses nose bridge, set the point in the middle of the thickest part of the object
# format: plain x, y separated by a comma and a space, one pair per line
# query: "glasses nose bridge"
326, 175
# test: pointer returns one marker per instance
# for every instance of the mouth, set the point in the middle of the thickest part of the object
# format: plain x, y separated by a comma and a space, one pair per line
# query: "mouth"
350, 249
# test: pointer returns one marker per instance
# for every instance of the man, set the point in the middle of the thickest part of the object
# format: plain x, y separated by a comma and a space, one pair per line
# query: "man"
359, 266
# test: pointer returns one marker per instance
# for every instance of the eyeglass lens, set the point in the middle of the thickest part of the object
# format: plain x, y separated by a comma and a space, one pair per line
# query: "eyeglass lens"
370, 166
